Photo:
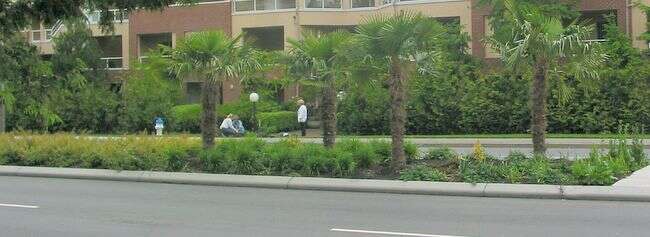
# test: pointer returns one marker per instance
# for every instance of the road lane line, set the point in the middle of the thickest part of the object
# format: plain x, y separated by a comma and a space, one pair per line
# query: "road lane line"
389, 233
19, 206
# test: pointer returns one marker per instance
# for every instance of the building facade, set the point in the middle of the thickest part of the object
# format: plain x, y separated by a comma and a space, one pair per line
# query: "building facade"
269, 23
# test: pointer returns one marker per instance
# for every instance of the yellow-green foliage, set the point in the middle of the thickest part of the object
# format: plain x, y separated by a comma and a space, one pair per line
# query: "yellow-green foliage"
478, 152
120, 153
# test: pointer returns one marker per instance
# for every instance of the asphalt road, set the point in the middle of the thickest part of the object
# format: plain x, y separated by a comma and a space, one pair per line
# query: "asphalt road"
59, 207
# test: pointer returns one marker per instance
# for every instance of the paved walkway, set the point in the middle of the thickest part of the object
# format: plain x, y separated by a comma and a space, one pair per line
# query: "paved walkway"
640, 178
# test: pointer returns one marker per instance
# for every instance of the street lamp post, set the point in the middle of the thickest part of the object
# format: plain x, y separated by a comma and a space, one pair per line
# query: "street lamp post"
254, 97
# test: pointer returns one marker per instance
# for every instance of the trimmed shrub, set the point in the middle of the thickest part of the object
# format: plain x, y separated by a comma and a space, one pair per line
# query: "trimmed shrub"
187, 118
281, 121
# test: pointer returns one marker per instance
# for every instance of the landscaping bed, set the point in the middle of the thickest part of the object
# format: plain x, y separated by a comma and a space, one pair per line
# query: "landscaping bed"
290, 157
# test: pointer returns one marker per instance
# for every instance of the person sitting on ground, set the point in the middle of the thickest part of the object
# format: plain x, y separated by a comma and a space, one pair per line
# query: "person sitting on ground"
239, 126
227, 127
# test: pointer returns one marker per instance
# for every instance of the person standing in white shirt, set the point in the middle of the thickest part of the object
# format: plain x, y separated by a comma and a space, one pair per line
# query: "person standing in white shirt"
302, 117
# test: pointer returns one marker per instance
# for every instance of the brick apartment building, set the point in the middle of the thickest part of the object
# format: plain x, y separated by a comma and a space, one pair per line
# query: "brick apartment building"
271, 22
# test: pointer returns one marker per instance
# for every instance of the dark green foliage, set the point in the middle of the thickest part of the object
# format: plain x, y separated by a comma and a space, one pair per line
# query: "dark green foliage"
422, 173
364, 111
148, 92
26, 80
17, 15
81, 98
186, 118
281, 121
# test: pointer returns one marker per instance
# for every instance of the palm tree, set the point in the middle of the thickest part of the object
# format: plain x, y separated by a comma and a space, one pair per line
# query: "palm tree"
398, 42
214, 57
6, 102
318, 57
542, 43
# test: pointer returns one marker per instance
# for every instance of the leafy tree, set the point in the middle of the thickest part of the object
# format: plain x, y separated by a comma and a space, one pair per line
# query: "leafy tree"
212, 56
29, 78
395, 41
319, 58
81, 97
542, 44
18, 14
147, 92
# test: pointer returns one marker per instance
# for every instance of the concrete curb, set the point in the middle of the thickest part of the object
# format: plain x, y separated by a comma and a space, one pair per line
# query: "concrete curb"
601, 193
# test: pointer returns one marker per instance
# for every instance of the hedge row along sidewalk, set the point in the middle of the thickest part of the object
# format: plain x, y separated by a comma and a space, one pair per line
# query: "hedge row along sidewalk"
610, 193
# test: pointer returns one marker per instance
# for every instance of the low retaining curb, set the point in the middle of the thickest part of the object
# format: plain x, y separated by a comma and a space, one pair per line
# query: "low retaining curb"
602, 193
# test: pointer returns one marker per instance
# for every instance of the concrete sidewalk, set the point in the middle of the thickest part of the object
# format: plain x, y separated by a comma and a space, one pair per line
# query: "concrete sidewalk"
605, 193
639, 179
485, 142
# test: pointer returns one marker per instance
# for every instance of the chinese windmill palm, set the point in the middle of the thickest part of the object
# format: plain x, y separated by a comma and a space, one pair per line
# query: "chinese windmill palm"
543, 45
318, 58
213, 57
400, 43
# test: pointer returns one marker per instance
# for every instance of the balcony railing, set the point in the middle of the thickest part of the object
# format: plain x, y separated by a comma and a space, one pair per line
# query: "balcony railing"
118, 16
596, 40
113, 63
263, 5
44, 35
143, 59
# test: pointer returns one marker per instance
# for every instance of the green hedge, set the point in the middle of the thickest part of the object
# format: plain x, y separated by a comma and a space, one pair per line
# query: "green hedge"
187, 118
274, 122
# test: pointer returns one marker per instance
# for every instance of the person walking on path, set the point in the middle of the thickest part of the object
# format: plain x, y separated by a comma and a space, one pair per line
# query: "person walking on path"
227, 127
302, 117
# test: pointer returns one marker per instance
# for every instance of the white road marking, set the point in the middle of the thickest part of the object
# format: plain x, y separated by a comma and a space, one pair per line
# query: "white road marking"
16, 205
389, 233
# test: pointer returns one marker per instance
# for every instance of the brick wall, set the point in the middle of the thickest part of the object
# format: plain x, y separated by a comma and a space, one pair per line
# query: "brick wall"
178, 21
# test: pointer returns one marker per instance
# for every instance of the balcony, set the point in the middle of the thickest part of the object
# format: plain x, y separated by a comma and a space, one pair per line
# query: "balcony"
94, 17
113, 63
41, 35
112, 51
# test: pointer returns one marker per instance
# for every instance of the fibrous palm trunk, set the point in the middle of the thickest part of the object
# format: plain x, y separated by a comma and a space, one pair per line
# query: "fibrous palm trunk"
2, 117
209, 93
538, 104
398, 115
328, 115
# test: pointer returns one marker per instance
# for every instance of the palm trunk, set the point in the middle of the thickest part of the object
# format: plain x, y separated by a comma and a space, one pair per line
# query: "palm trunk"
208, 113
2, 117
328, 116
538, 104
398, 115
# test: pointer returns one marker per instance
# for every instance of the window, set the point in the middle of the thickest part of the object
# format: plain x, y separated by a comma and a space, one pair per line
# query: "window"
263, 5
323, 3
265, 38
243, 5
363, 3
599, 19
